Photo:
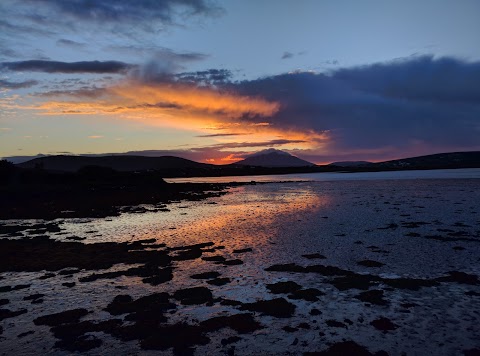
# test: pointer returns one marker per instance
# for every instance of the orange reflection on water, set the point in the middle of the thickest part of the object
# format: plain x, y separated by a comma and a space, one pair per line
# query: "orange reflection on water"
248, 216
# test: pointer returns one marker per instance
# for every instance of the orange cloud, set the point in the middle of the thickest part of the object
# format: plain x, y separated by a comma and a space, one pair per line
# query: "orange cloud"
186, 107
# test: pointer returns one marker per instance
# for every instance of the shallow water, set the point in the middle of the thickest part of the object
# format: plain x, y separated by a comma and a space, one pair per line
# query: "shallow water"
346, 221
464, 173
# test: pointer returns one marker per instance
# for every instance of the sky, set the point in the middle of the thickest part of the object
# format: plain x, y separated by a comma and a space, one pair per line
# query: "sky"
214, 81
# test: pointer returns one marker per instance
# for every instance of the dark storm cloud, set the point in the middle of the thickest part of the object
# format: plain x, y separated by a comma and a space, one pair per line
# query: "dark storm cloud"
415, 101
67, 67
5, 84
422, 79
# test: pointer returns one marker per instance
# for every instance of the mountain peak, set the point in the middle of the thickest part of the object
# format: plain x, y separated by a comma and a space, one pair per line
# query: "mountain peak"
272, 157
269, 151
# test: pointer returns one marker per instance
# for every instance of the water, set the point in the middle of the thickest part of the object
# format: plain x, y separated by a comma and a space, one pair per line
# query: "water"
464, 173
418, 228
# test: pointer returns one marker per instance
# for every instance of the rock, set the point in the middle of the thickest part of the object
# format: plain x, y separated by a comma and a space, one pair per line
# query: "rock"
283, 287
241, 323
243, 250
230, 340
219, 281
205, 275
312, 256
309, 294
6, 313
195, 295
68, 316
214, 258
384, 324
370, 263
344, 348
335, 324
372, 296
279, 307
83, 343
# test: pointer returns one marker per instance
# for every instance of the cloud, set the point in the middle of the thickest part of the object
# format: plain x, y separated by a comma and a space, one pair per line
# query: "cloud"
418, 104
95, 136
406, 107
119, 16
287, 55
127, 10
222, 135
5, 84
270, 143
69, 43
67, 67
206, 77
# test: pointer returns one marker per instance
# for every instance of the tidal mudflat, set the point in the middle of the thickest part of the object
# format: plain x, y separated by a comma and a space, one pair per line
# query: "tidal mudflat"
339, 267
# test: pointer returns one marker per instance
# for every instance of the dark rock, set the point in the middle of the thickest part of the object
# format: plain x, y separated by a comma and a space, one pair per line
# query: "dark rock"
289, 329
312, 256
4, 301
195, 295
243, 250
408, 305
205, 275
278, 307
230, 302
343, 348
156, 303
230, 340
25, 334
305, 326
315, 312
69, 271
34, 296
68, 316
214, 258
370, 263
30, 256
5, 289
75, 238
335, 324
219, 281
6, 313
241, 323
384, 324
179, 336
460, 277
69, 284
309, 294
47, 276
283, 287
372, 296
83, 343
192, 247
234, 262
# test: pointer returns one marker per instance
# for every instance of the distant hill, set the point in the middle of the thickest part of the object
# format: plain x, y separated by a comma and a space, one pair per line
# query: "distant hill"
435, 161
274, 158
350, 163
118, 163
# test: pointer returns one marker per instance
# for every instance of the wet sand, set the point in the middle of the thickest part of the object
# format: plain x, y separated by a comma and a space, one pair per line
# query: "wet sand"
353, 267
